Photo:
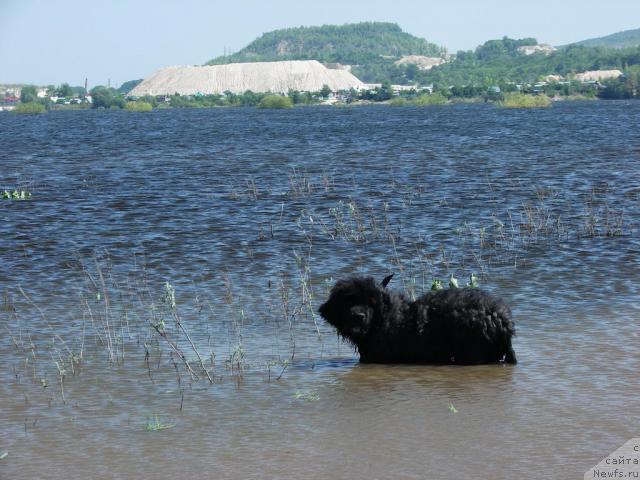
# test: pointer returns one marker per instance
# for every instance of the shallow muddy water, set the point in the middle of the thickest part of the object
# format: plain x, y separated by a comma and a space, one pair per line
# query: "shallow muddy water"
251, 216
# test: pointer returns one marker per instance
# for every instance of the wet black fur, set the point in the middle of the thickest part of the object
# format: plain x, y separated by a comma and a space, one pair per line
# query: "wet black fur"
455, 325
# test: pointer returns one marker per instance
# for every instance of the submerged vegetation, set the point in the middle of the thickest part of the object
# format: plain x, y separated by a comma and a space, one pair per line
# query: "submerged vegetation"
16, 195
154, 424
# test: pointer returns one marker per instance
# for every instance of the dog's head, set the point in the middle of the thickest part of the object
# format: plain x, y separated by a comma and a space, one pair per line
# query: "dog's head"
355, 306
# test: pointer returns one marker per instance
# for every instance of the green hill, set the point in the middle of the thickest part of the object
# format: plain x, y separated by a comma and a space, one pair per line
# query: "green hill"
372, 48
354, 44
498, 62
126, 87
628, 38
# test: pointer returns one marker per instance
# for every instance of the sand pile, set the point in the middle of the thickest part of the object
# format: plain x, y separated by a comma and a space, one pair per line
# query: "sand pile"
277, 77
422, 62
597, 75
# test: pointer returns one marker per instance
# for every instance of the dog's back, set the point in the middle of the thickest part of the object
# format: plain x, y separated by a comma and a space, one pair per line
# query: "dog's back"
465, 325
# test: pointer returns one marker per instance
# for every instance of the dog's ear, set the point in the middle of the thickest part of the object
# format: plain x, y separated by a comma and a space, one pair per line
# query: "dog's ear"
385, 281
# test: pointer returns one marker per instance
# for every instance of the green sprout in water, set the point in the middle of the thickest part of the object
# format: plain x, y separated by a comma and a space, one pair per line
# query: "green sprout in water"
453, 282
452, 409
160, 326
154, 425
170, 295
3, 454
16, 195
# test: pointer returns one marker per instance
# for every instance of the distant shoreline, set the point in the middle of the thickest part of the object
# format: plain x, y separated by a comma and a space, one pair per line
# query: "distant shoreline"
337, 105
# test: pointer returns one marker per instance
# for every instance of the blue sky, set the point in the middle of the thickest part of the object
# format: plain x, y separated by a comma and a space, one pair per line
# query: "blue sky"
55, 41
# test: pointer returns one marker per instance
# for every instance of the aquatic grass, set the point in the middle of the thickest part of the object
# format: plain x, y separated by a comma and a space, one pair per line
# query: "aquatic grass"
599, 218
270, 364
347, 221
302, 184
289, 312
132, 322
307, 296
169, 300
154, 424
16, 195
68, 356
117, 291
62, 373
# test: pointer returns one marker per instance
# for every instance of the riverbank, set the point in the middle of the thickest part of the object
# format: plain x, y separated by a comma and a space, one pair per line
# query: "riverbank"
272, 102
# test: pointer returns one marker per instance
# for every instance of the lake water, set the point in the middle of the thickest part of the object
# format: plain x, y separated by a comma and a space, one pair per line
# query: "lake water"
250, 216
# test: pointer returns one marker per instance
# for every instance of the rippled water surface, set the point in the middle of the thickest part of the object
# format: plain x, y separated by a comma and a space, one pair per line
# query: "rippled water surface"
250, 216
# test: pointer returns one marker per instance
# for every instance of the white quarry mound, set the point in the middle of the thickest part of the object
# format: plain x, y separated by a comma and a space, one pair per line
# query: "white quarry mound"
553, 78
423, 63
596, 75
541, 48
276, 77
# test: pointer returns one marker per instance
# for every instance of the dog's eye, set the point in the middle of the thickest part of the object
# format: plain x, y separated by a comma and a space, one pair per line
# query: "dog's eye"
359, 315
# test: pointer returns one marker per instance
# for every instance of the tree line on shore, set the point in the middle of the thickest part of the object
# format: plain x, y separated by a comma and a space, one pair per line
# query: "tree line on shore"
625, 87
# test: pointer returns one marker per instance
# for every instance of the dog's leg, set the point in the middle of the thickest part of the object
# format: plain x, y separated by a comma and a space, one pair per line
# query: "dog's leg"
510, 356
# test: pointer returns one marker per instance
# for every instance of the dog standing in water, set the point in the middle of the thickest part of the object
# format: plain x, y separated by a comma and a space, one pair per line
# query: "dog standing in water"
464, 326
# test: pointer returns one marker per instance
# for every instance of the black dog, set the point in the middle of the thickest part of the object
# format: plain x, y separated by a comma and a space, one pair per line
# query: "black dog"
453, 326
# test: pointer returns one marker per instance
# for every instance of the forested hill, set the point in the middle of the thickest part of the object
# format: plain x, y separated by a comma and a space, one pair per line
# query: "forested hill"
628, 38
354, 44
497, 62
375, 49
